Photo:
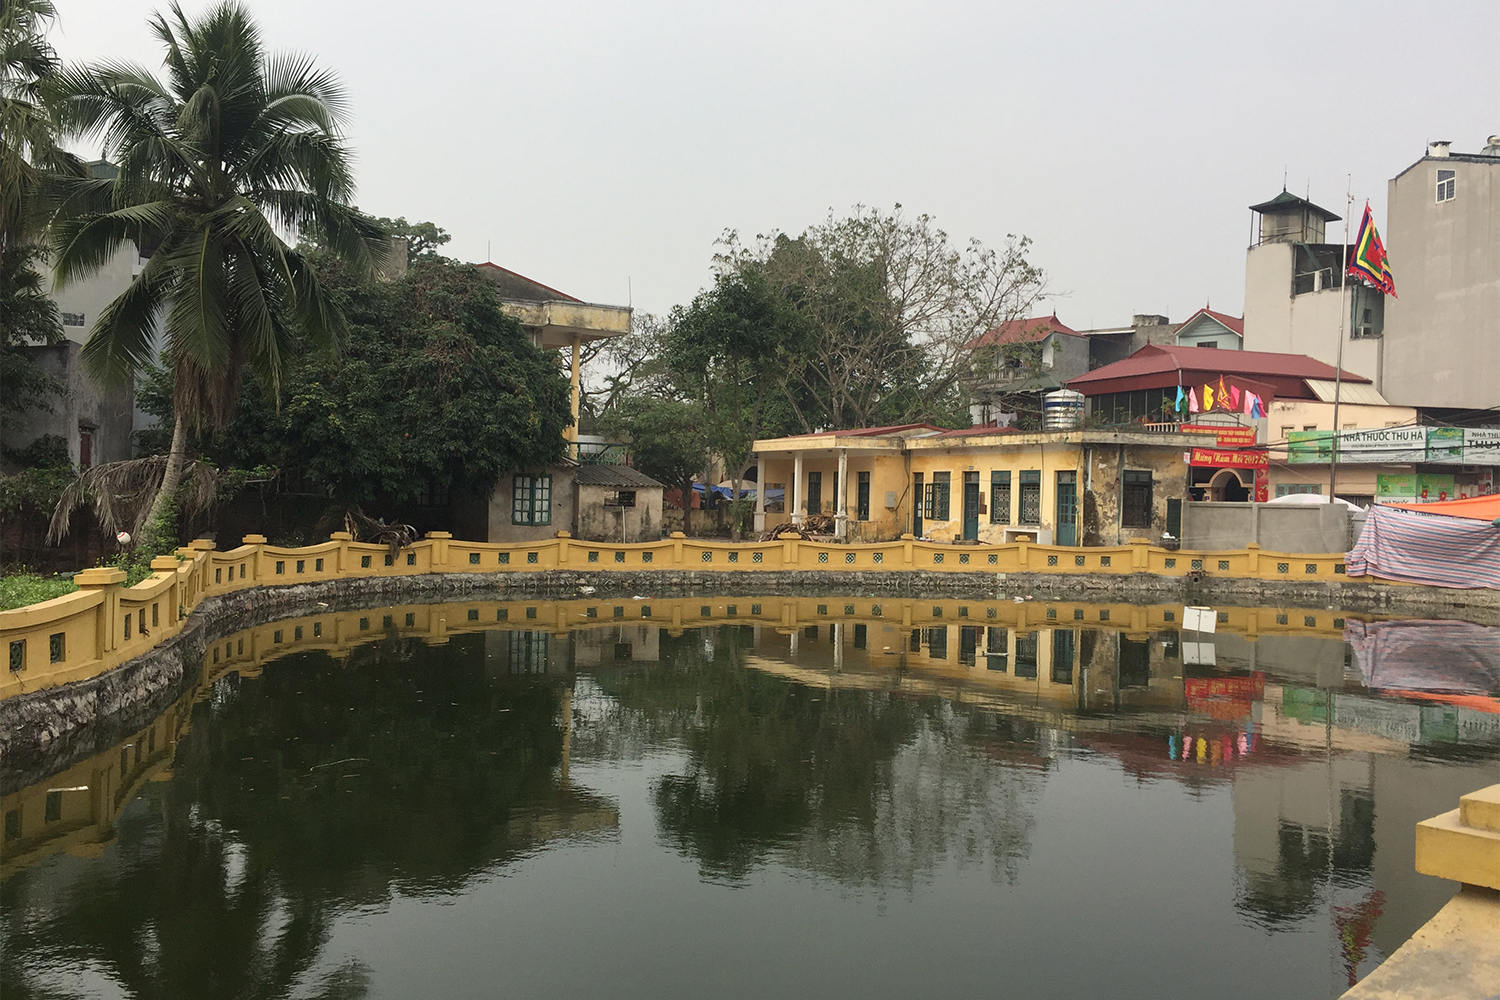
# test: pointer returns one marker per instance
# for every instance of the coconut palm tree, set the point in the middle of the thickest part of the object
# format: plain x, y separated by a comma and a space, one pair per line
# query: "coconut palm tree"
235, 150
28, 146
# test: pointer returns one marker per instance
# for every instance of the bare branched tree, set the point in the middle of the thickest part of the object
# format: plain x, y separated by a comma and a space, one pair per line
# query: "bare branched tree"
895, 310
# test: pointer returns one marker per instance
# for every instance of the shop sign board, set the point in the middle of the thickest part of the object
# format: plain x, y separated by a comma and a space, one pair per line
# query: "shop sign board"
1401, 488
1415, 487
1433, 487
1397, 446
1220, 458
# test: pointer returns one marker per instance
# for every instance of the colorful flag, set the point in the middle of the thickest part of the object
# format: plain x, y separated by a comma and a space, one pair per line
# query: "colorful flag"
1181, 403
1192, 402
1208, 397
1369, 262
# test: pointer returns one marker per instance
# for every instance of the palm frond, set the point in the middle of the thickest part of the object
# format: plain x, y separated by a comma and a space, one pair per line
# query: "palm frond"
121, 493
123, 340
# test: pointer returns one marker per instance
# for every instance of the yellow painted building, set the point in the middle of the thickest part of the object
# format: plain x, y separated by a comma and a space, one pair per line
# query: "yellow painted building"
1078, 487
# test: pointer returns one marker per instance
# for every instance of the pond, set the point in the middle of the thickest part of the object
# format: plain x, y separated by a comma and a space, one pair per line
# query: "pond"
759, 797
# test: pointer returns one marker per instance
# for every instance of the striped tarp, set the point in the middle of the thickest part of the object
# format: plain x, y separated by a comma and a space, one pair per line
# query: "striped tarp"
1424, 548
1447, 657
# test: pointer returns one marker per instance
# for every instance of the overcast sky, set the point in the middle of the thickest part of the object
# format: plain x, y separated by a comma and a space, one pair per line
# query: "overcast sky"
602, 148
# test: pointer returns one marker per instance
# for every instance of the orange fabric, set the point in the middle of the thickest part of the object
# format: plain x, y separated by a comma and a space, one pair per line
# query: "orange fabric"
1485, 508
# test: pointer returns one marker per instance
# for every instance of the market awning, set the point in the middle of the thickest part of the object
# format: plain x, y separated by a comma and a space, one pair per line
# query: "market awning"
1485, 508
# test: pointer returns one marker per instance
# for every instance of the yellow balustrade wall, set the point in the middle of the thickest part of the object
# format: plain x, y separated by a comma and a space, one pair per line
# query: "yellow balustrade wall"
105, 624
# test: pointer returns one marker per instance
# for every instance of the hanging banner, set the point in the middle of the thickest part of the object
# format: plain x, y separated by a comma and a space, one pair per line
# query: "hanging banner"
1221, 459
1225, 437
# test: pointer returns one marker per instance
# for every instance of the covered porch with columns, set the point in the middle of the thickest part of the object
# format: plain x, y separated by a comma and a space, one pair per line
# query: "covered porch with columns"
859, 478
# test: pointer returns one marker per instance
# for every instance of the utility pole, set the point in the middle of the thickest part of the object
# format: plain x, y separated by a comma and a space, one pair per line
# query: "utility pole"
1338, 375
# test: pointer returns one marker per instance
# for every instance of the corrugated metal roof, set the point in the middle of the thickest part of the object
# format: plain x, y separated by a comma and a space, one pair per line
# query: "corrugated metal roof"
1352, 392
615, 476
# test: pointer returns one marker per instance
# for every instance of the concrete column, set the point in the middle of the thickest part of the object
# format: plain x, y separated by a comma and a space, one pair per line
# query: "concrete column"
760, 493
840, 491
797, 489
571, 434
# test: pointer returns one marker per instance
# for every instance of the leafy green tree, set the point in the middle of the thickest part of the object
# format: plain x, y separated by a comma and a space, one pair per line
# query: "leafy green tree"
668, 441
728, 351
436, 387
30, 163
233, 144
893, 311
422, 238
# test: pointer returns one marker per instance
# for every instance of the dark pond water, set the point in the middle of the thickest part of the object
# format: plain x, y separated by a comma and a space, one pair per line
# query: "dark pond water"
905, 800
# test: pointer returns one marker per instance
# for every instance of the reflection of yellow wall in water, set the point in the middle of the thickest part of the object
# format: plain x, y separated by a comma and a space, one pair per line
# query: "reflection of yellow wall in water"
104, 624
74, 811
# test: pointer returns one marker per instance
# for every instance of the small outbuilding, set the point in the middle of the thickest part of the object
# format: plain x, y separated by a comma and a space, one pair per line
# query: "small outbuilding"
615, 503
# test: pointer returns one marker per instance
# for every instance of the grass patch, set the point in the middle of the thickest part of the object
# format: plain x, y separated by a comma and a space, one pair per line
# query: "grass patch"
25, 588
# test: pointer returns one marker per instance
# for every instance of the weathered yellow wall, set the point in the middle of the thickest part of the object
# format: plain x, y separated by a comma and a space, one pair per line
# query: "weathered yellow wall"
1048, 459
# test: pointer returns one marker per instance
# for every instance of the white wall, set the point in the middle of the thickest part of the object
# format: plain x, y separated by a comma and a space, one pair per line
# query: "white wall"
1443, 332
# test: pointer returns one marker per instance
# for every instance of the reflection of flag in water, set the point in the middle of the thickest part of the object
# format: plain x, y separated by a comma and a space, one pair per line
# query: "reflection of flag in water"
1369, 261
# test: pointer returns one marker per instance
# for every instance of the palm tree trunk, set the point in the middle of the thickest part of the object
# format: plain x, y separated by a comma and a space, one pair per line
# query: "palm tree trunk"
170, 480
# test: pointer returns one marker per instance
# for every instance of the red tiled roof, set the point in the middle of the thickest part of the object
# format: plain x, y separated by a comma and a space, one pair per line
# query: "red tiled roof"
1234, 323
866, 431
1158, 366
1023, 331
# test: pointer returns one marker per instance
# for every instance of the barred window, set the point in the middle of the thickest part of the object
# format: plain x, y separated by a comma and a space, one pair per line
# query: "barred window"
938, 495
999, 497
815, 492
862, 497
1135, 511
531, 499
1031, 498
1446, 184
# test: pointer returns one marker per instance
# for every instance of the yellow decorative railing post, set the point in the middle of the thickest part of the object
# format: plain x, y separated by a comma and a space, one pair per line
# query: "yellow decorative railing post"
1021, 556
439, 541
677, 538
341, 561
174, 599
1140, 554
106, 580
907, 539
1253, 551
257, 571
562, 547
790, 555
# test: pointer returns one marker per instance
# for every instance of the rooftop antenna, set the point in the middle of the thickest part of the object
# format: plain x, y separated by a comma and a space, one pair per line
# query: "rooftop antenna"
1283, 176
629, 293
487, 258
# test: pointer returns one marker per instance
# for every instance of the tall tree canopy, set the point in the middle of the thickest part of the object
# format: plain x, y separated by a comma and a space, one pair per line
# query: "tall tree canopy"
31, 163
892, 310
233, 144
436, 389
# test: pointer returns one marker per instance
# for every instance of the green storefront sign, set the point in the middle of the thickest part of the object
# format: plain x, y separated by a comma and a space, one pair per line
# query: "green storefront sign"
1398, 446
1400, 488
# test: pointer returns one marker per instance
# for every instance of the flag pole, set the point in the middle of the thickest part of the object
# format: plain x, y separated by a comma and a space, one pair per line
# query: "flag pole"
1338, 373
